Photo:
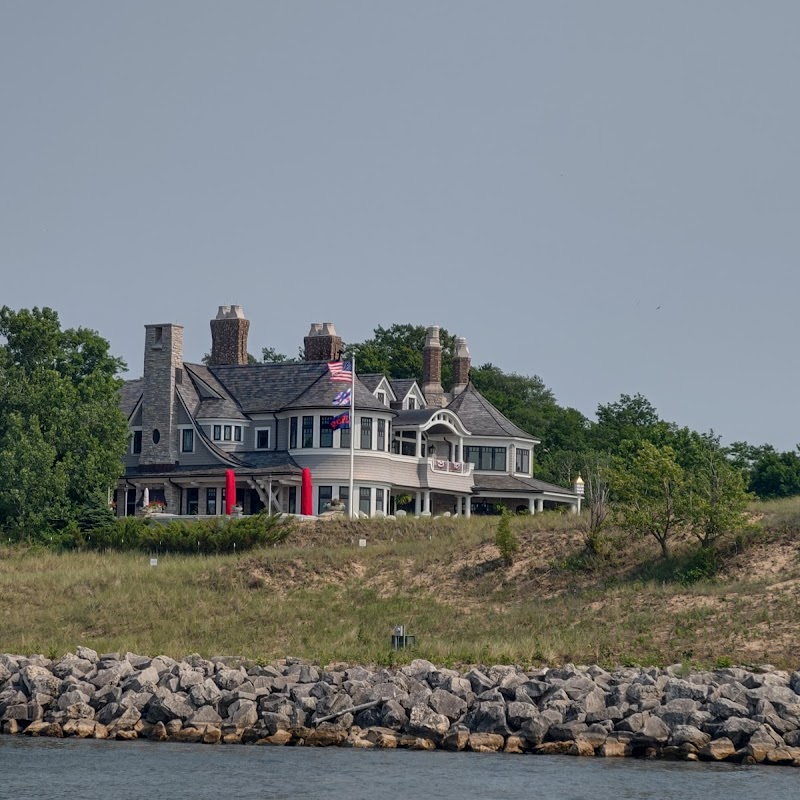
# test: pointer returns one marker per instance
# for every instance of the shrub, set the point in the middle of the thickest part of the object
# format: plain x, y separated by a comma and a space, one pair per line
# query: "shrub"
505, 539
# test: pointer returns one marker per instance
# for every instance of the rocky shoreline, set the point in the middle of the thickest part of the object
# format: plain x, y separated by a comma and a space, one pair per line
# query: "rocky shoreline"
729, 714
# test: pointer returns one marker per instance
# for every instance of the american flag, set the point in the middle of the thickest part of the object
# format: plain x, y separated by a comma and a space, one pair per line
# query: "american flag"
342, 398
342, 421
341, 370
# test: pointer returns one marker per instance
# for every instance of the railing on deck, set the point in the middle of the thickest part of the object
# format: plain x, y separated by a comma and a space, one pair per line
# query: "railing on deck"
453, 467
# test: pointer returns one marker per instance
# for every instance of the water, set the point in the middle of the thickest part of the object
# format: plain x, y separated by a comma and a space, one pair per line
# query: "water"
92, 770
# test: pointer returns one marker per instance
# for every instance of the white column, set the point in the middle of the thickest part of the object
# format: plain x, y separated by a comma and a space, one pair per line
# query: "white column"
458, 505
531, 505
426, 497
418, 504
467, 507
573, 508
539, 505
460, 449
418, 448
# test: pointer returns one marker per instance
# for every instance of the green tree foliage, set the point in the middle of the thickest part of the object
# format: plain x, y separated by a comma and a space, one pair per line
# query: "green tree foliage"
775, 475
717, 496
397, 351
62, 434
505, 539
651, 487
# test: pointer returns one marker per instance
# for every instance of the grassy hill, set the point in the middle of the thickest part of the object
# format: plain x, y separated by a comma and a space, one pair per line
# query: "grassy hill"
321, 596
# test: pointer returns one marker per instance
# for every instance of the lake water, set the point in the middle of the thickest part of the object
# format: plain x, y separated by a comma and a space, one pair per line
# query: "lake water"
95, 770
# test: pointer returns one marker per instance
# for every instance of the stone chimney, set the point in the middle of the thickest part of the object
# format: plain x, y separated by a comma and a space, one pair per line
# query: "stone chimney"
229, 337
432, 368
461, 364
163, 367
322, 343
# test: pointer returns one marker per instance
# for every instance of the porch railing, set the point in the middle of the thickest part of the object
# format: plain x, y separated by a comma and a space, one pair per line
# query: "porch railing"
453, 467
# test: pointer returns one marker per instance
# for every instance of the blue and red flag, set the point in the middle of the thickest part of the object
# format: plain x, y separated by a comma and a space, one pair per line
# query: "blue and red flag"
342, 398
341, 370
342, 421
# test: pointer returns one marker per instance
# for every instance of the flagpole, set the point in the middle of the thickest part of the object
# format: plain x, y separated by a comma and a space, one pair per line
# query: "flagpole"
352, 432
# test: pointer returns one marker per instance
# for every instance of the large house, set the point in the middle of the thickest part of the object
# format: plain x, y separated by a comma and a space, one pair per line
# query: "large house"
415, 447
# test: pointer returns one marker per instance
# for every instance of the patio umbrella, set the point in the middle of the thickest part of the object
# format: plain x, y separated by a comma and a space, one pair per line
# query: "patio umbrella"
230, 491
306, 504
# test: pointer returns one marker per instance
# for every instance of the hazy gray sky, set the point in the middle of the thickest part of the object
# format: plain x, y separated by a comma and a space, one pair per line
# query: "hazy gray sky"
601, 193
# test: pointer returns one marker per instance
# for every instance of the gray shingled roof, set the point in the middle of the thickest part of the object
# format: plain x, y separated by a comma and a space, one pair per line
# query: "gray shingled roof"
511, 483
481, 418
401, 386
372, 380
417, 416
262, 388
224, 407
130, 394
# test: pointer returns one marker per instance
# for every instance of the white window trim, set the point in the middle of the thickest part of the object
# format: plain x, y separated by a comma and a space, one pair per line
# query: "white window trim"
269, 438
133, 429
181, 429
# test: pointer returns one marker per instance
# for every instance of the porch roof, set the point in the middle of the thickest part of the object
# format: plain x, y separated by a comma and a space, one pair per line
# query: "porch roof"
517, 485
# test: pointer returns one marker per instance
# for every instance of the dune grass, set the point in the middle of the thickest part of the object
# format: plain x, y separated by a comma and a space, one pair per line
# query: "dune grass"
321, 596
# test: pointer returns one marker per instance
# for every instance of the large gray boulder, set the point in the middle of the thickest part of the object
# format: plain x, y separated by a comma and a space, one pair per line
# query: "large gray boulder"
688, 734
171, 707
425, 722
517, 714
243, 714
488, 717
39, 680
449, 705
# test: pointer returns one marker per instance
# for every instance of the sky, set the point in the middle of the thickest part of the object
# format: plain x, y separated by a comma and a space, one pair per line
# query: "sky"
604, 194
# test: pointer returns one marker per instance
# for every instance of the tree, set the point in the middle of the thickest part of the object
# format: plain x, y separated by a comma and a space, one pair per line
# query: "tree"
62, 433
652, 490
629, 419
775, 475
505, 539
397, 351
597, 471
718, 498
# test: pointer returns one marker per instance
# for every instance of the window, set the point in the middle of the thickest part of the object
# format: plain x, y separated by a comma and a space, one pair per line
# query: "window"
192, 501
293, 432
156, 436
523, 461
381, 434
136, 444
262, 439
325, 432
366, 433
292, 499
237, 433
217, 436
492, 459
379, 499
412, 403
211, 501
187, 440
227, 433
308, 431
344, 496
382, 397
344, 437
325, 497
364, 499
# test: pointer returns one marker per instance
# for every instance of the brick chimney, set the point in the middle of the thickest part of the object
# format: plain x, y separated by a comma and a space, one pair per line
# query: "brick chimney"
229, 337
163, 366
322, 343
461, 365
432, 368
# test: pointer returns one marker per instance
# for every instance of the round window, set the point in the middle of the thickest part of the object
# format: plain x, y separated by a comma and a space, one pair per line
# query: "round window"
156, 436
